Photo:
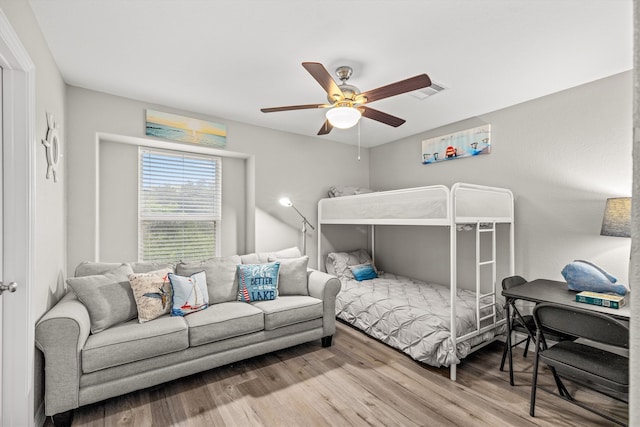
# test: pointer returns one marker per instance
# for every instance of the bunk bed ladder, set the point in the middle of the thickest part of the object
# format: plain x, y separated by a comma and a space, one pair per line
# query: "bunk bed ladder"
490, 262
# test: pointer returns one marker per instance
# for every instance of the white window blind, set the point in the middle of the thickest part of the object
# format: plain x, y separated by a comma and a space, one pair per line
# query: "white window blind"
179, 205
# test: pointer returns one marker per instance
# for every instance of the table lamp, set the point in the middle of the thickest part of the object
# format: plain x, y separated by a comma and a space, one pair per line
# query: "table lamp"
617, 217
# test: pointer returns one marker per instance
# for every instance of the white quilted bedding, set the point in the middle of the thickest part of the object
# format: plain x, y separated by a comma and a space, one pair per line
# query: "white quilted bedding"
411, 315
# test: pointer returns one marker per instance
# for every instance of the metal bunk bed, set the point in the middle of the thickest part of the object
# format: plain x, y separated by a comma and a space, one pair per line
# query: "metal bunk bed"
475, 207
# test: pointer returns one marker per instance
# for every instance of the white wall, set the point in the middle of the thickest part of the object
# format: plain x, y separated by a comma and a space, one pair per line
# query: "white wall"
562, 155
302, 168
49, 209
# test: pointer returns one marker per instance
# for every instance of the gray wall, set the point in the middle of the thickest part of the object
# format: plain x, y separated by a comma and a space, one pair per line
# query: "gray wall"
49, 210
302, 168
562, 155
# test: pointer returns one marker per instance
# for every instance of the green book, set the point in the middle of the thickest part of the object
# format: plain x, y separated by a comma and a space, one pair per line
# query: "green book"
601, 299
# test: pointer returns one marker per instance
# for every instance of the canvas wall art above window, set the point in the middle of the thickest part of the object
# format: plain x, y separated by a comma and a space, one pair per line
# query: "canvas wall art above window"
458, 145
186, 129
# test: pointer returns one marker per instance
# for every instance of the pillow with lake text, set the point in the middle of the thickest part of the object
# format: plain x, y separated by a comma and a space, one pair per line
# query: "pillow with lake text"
258, 282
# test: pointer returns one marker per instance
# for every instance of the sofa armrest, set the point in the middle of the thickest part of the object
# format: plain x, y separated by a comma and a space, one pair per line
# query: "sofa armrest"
325, 287
61, 334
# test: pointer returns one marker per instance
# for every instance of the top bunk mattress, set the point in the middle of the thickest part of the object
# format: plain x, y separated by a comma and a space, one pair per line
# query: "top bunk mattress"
432, 205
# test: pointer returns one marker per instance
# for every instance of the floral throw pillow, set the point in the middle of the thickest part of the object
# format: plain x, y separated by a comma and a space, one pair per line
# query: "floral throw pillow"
190, 293
152, 292
258, 282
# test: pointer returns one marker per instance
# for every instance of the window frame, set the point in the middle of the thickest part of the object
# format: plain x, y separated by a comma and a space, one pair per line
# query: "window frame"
215, 217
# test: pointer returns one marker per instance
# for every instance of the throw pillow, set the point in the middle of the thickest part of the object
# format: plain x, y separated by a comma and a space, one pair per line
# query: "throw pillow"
292, 279
108, 297
189, 293
363, 272
585, 276
221, 276
263, 257
338, 263
258, 282
152, 292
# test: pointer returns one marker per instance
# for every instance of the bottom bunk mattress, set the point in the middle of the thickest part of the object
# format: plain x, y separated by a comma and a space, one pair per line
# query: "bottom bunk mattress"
413, 316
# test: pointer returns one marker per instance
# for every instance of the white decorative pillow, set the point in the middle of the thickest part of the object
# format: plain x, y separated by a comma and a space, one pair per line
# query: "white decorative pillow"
152, 292
189, 293
338, 263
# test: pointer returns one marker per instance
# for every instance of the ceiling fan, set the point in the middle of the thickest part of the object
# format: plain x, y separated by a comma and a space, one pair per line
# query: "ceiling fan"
347, 104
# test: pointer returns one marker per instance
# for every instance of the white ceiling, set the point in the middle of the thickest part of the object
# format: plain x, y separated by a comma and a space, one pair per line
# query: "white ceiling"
229, 58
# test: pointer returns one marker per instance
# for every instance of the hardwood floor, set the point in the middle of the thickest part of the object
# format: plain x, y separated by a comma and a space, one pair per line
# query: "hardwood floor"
356, 382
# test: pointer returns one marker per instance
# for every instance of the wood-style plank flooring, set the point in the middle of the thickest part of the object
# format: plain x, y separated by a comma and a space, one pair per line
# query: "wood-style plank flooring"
356, 382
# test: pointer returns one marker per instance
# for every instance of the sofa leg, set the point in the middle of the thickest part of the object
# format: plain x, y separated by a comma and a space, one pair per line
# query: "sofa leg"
326, 341
63, 419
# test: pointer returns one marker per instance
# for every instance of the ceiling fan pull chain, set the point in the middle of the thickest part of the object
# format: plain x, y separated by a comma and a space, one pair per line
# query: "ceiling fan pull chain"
358, 140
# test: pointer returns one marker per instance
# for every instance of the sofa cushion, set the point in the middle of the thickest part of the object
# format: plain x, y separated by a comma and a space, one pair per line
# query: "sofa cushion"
293, 275
188, 294
152, 292
148, 266
91, 268
258, 282
132, 341
222, 321
221, 276
262, 257
108, 297
288, 310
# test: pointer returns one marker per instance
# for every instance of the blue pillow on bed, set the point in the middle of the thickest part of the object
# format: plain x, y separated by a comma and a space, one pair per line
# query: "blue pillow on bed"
363, 272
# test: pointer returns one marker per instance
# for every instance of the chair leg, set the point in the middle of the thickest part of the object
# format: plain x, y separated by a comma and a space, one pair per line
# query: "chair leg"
526, 347
510, 354
562, 390
504, 356
534, 383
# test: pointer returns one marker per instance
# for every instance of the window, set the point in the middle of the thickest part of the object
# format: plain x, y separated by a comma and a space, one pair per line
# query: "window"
179, 210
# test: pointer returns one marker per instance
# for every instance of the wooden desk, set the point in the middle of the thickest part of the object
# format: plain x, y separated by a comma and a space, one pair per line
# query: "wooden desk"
542, 290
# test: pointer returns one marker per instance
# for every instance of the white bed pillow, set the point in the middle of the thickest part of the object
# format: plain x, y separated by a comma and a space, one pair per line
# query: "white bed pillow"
338, 263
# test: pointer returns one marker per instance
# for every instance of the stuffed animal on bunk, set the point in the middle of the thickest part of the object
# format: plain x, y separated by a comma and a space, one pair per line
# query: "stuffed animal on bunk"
585, 276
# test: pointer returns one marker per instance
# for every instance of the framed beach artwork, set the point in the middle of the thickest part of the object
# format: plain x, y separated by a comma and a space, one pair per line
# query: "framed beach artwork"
186, 129
458, 145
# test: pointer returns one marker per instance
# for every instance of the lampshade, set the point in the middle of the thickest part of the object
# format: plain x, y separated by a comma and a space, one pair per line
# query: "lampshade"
617, 217
343, 117
285, 201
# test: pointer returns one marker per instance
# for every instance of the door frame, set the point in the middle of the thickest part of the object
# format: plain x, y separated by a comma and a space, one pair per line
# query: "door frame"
18, 136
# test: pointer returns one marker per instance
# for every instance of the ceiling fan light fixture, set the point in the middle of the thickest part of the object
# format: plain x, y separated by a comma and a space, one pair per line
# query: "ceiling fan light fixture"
343, 117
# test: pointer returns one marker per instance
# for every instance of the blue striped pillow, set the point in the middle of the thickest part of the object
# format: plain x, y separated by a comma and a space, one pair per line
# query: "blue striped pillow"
363, 271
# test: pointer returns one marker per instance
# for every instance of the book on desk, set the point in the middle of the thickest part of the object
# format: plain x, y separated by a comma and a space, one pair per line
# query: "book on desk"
601, 299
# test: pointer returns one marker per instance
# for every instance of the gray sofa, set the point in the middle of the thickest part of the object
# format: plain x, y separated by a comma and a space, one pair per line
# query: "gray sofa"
82, 367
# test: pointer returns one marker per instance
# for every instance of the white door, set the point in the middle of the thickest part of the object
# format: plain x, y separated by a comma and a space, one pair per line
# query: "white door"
1, 246
16, 248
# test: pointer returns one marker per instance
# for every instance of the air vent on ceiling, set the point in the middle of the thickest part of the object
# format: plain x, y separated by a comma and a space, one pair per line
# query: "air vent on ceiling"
427, 91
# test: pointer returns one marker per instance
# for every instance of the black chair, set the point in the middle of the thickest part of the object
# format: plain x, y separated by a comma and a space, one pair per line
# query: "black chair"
516, 322
583, 364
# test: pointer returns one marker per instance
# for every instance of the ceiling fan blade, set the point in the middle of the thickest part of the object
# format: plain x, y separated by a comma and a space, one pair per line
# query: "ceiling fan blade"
294, 107
323, 77
326, 128
381, 117
403, 86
